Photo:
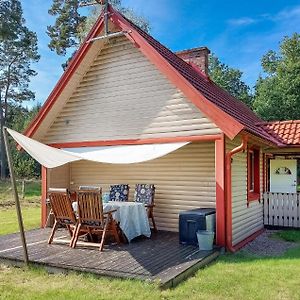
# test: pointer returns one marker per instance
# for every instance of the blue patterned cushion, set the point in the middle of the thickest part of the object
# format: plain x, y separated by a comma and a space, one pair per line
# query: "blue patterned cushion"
144, 193
119, 192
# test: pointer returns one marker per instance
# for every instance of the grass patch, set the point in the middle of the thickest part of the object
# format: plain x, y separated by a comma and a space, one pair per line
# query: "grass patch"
9, 222
32, 192
288, 235
232, 276
30, 206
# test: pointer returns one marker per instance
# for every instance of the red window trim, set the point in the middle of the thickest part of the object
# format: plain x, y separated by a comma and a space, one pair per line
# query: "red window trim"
253, 195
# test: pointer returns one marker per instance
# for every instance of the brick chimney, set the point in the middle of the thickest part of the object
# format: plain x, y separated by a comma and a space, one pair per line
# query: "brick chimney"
197, 56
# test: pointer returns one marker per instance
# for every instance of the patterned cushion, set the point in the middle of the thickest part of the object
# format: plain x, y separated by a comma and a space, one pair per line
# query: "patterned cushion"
65, 221
92, 223
119, 192
144, 193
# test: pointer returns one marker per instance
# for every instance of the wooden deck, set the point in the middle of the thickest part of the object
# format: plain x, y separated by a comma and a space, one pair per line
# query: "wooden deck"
160, 258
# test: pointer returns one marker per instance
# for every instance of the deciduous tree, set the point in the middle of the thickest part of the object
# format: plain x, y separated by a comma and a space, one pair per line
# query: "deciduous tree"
278, 92
229, 79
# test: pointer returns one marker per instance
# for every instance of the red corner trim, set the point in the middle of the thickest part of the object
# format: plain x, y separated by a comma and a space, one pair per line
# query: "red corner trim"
137, 142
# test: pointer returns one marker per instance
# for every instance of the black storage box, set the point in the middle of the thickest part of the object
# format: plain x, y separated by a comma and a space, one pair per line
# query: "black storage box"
191, 221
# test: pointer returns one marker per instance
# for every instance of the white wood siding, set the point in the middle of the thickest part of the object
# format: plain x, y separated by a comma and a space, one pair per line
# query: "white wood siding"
184, 179
124, 96
59, 177
245, 220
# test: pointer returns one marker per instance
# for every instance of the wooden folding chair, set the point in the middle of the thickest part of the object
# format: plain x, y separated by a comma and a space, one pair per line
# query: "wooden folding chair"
63, 212
92, 219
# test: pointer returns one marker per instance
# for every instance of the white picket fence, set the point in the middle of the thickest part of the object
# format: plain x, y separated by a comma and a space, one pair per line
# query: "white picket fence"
282, 209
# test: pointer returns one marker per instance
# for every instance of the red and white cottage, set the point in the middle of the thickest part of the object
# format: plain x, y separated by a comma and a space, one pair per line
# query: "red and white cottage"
131, 90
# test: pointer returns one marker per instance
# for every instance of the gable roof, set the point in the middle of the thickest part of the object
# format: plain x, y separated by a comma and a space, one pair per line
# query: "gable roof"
229, 114
287, 132
212, 92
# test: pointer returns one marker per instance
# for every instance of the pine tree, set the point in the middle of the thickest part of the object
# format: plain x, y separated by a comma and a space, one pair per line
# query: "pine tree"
18, 49
63, 33
70, 27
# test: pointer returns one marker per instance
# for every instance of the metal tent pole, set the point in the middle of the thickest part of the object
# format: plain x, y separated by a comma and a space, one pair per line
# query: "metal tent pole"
16, 196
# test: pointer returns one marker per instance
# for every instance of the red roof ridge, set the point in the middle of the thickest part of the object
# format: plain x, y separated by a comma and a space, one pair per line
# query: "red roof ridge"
192, 49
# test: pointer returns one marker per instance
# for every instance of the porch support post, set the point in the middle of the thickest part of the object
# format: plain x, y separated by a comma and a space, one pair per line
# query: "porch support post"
44, 197
220, 190
15, 194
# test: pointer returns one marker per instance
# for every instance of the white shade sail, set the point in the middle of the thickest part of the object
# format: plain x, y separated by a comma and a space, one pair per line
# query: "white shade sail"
51, 157
47, 156
128, 154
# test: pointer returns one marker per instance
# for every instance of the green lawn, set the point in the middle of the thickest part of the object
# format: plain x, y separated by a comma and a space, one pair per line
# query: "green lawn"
238, 276
232, 276
9, 221
29, 203
288, 235
32, 192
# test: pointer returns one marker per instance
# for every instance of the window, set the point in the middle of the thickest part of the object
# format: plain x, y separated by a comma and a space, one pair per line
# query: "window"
253, 175
251, 171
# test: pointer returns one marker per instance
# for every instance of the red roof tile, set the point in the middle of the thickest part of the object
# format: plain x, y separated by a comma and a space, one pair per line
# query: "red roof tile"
287, 132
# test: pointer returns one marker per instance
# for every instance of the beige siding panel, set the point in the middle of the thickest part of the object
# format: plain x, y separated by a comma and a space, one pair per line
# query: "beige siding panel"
123, 96
59, 177
67, 91
245, 220
184, 179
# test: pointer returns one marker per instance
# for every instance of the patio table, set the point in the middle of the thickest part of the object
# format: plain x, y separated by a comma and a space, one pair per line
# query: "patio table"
132, 217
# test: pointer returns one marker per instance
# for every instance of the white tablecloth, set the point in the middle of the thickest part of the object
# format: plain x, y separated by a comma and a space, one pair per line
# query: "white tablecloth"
131, 215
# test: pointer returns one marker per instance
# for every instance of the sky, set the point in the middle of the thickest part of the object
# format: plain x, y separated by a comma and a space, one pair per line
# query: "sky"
238, 32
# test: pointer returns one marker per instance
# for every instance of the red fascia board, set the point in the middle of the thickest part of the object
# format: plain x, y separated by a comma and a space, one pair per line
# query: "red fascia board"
200, 138
63, 81
226, 123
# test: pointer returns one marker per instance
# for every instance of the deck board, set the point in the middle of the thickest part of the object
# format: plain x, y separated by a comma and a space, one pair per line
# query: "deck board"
160, 258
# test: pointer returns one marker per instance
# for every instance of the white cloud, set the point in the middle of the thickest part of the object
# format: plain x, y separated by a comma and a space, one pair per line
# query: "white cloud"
284, 15
242, 21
